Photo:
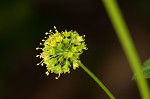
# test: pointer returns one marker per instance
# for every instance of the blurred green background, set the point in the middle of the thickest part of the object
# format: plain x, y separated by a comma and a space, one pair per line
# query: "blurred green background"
22, 26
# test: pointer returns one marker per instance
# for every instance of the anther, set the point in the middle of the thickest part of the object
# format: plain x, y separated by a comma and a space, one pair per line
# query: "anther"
37, 55
46, 33
37, 48
43, 40
50, 31
47, 73
41, 43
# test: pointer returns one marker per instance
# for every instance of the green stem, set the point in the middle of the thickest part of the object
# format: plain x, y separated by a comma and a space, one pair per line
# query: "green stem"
123, 34
96, 80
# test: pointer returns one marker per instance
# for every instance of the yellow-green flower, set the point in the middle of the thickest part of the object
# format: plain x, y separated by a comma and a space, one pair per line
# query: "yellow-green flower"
61, 51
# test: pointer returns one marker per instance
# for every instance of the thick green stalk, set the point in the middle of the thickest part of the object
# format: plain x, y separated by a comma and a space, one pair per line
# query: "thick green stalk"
97, 80
123, 34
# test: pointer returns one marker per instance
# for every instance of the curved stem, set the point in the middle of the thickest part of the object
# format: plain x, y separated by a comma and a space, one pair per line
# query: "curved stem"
125, 39
96, 80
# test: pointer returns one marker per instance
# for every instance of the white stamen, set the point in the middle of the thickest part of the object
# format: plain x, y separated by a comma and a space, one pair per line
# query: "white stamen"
58, 76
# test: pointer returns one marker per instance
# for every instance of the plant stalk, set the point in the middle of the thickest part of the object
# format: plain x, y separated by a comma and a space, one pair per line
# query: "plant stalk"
96, 80
125, 39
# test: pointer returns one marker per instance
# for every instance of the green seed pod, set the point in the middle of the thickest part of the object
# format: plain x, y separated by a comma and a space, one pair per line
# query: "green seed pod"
61, 51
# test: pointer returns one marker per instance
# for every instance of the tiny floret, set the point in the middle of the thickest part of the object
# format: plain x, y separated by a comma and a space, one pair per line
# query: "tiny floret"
61, 51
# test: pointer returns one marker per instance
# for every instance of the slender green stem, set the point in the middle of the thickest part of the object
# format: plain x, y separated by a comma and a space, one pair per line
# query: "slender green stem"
123, 34
97, 80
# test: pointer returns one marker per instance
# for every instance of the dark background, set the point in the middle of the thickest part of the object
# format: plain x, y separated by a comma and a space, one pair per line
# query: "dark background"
22, 26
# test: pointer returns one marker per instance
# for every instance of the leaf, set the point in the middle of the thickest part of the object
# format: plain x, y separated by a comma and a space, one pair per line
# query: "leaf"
145, 69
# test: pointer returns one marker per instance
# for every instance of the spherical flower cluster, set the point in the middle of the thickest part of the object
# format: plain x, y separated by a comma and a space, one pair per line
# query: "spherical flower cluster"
61, 51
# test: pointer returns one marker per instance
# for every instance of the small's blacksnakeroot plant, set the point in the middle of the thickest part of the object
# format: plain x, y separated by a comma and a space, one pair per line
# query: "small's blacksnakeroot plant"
61, 51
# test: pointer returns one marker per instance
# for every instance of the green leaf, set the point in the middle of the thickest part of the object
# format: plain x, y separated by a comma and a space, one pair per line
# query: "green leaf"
145, 69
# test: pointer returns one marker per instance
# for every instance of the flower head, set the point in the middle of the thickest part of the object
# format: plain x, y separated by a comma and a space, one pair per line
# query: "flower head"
61, 51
